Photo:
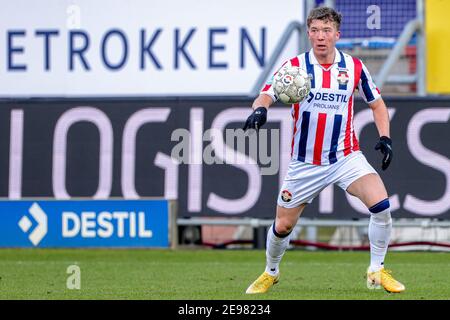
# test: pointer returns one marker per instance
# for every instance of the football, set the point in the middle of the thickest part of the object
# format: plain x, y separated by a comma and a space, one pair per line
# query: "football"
291, 84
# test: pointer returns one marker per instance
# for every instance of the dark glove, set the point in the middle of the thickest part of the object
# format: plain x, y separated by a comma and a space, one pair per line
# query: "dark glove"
257, 119
385, 146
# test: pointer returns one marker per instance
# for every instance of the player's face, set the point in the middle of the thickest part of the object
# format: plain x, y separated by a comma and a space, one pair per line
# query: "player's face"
323, 36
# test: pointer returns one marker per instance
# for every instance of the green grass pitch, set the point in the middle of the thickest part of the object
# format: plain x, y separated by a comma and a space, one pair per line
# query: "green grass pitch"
213, 274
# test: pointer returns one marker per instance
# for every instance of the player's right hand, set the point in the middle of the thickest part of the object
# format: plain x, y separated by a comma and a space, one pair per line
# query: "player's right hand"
257, 119
385, 146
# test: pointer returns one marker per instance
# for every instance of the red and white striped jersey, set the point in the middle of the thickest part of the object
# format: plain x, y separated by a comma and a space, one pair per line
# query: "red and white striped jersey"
323, 122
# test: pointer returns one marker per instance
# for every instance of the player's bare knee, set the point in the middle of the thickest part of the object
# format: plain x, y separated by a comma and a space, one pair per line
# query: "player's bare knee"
283, 226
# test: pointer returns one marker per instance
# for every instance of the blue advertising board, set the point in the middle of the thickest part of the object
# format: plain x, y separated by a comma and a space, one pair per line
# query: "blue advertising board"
84, 223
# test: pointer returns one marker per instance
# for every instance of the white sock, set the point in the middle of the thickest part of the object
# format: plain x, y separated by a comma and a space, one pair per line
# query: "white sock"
275, 248
380, 226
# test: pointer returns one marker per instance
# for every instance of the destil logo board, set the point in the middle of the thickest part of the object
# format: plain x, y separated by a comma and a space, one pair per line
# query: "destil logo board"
85, 223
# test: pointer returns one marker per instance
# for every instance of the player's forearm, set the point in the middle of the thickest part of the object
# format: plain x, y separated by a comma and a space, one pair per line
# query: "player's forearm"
263, 100
381, 117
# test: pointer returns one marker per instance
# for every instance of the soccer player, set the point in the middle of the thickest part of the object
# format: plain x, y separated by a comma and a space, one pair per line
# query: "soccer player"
325, 149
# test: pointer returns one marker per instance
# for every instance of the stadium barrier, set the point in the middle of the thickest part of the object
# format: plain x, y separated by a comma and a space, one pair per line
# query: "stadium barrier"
123, 148
260, 227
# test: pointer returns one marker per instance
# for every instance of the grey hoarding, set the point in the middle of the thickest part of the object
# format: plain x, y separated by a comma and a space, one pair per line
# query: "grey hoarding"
122, 148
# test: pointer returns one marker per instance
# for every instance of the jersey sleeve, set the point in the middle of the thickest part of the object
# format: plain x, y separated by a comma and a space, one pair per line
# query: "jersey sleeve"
367, 88
268, 88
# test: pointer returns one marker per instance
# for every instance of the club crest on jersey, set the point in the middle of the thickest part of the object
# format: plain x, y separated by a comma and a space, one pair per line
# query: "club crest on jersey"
342, 77
286, 196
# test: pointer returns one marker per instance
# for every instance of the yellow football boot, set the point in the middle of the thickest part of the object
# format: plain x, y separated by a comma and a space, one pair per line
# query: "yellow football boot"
383, 278
263, 283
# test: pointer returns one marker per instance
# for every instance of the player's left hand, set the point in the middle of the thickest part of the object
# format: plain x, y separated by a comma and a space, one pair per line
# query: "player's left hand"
256, 119
385, 146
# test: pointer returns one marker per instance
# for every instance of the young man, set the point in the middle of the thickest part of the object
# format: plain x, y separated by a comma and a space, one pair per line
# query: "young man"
325, 149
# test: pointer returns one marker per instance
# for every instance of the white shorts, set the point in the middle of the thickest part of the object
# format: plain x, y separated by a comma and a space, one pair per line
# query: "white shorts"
304, 181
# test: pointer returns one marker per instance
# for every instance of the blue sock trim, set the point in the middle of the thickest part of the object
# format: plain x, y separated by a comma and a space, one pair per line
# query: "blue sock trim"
277, 234
380, 206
